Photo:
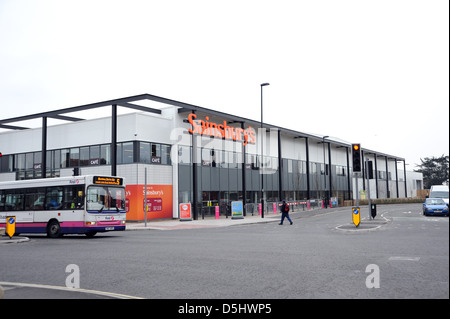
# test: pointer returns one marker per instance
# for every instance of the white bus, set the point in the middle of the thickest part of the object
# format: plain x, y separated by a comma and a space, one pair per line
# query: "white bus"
66, 205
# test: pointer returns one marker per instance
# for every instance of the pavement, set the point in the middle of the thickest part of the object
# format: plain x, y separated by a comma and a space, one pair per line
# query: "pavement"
207, 222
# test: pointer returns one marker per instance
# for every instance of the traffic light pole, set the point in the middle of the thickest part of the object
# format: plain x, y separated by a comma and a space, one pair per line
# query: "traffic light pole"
356, 160
356, 188
368, 187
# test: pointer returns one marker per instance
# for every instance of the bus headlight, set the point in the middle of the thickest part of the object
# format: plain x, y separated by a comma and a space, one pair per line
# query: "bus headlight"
91, 223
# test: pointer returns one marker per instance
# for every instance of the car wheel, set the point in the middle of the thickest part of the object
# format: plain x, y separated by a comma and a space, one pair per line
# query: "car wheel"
54, 229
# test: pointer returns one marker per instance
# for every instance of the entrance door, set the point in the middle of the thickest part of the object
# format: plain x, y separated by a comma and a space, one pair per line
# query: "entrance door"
209, 201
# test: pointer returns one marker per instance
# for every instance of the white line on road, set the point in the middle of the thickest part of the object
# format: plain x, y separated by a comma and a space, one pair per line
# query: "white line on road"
402, 258
96, 292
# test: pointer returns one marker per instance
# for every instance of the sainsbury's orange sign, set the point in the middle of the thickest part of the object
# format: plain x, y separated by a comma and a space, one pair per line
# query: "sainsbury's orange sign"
221, 130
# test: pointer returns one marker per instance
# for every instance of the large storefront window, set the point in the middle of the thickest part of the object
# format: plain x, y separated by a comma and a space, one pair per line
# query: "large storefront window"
154, 153
29, 165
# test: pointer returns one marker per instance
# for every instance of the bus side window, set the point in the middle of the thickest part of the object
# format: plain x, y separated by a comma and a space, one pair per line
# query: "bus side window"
14, 200
74, 197
53, 198
2, 201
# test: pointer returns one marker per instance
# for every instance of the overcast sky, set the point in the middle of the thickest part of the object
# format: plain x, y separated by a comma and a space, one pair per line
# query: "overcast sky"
369, 72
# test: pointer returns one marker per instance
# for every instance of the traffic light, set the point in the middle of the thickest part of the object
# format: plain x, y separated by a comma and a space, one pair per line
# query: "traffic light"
356, 157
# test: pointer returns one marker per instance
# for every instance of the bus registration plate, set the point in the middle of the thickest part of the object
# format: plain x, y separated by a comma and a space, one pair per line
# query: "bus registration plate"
109, 228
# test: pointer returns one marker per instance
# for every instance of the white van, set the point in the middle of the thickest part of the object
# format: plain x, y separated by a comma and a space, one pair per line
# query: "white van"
439, 191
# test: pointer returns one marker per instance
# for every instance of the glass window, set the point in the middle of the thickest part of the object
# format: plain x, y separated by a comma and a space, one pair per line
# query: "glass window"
165, 155
54, 198
184, 155
116, 198
105, 154
49, 160
37, 162
34, 199
84, 156
206, 157
156, 149
119, 153
73, 197
2, 200
65, 158
29, 199
74, 157
94, 158
57, 159
6, 163
221, 159
127, 153
232, 160
20, 162
29, 161
14, 200
144, 152
101, 198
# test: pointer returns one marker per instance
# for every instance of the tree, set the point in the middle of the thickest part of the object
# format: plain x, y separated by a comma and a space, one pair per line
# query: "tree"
434, 170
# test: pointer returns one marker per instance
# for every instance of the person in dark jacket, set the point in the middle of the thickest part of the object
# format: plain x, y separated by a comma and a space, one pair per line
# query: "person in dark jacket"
285, 213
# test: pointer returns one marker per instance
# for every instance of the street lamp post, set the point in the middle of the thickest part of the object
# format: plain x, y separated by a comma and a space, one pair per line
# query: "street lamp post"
262, 152
324, 170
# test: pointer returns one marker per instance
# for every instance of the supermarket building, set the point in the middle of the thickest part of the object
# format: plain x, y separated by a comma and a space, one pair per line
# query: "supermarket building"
193, 154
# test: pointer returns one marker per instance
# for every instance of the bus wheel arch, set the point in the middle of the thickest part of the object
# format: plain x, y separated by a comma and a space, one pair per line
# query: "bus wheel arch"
53, 228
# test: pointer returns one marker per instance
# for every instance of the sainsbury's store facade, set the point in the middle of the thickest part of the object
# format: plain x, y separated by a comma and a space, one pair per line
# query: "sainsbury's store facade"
191, 154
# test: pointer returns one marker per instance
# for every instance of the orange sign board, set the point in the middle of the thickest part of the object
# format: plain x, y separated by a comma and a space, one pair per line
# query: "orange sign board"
159, 198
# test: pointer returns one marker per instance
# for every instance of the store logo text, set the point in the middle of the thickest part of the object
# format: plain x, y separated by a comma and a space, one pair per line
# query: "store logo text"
221, 130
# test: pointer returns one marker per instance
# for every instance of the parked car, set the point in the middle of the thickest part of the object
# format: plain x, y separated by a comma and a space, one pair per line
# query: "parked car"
435, 206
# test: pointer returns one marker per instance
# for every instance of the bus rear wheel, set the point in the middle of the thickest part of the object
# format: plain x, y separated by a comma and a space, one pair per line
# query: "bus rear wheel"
54, 229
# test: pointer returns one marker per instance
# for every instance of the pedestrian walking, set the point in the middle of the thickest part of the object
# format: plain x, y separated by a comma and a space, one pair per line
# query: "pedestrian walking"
285, 213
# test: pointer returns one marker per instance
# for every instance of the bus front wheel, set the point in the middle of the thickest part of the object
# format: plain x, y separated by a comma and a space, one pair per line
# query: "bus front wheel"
53, 229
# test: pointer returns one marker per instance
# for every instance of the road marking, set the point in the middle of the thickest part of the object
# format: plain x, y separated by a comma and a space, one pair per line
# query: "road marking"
403, 258
95, 292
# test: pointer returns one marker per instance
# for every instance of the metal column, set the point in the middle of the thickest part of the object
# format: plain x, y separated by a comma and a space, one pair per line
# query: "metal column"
244, 171
44, 147
396, 177
280, 169
194, 175
349, 179
388, 195
114, 140
404, 173
330, 190
308, 187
